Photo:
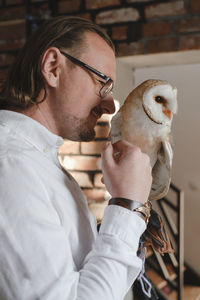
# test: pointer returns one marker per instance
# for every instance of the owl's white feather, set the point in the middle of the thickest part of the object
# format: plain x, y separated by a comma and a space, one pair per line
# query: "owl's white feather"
145, 120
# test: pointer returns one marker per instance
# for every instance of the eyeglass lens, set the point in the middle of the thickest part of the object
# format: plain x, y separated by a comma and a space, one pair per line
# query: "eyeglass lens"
106, 89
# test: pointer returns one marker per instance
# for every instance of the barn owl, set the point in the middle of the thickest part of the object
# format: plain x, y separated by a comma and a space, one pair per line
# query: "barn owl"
145, 120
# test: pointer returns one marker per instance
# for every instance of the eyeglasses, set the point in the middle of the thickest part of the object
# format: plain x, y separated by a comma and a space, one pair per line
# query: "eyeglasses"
108, 84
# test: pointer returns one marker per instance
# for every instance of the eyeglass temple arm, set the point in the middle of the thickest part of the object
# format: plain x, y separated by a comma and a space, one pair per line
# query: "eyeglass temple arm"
79, 62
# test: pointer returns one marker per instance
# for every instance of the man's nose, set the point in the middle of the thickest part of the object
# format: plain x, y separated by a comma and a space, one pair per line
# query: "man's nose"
107, 104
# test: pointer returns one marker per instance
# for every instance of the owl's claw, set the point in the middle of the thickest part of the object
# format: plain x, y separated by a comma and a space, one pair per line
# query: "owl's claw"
156, 235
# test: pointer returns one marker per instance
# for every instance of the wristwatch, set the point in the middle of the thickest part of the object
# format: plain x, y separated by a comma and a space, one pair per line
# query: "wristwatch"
144, 210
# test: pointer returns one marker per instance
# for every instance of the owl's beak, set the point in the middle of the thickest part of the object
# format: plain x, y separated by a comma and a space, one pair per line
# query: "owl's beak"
168, 113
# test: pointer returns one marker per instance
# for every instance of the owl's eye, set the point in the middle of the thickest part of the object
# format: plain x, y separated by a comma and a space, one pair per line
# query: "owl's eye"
160, 99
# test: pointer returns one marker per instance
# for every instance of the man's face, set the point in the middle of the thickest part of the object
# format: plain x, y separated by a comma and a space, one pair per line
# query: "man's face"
79, 105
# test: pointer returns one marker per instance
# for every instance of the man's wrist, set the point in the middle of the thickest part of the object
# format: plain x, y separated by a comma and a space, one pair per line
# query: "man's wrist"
143, 210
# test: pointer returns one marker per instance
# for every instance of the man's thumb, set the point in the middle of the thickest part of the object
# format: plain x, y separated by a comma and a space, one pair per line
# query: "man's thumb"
107, 152
106, 145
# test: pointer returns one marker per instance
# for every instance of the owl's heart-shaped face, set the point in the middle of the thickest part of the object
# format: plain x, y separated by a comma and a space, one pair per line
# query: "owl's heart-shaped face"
160, 103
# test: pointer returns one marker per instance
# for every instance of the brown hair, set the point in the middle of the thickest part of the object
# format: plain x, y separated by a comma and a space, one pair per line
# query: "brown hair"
25, 80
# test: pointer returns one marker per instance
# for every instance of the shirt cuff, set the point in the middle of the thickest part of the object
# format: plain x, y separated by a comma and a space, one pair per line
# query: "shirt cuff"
123, 224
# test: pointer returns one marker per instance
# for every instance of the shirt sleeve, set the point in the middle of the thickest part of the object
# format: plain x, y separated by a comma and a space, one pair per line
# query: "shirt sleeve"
113, 262
36, 261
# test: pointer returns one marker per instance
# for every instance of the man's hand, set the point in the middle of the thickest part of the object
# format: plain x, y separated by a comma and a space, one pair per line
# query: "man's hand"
126, 171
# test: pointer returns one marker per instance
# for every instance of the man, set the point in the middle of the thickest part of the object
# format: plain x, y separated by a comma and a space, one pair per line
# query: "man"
50, 248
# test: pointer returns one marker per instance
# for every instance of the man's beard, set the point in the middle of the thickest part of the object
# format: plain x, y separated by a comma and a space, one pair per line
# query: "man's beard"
86, 134
82, 129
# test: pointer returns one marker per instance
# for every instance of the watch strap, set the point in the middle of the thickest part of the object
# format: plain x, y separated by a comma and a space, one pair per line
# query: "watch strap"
144, 210
124, 202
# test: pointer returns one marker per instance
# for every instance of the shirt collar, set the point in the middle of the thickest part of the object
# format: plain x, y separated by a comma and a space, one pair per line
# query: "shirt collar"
30, 130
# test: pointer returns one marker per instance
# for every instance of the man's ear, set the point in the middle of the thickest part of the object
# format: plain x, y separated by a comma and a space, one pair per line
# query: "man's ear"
50, 66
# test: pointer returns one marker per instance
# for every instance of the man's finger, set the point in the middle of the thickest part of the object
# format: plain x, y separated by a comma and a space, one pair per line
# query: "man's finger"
122, 147
107, 153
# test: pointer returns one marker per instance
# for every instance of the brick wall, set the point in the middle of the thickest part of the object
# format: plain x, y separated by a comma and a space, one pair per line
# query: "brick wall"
136, 27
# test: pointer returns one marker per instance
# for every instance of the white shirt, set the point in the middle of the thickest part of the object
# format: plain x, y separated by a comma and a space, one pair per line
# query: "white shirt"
49, 245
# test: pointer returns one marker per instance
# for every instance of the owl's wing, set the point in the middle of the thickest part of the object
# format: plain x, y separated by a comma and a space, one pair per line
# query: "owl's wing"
161, 172
116, 128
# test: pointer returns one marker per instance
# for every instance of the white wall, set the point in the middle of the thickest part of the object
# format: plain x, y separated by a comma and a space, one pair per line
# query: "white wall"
186, 133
